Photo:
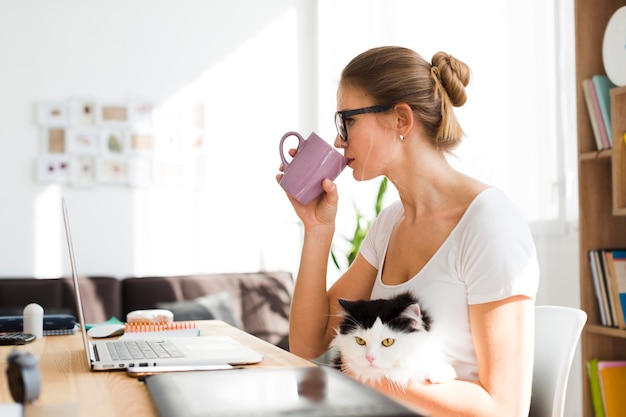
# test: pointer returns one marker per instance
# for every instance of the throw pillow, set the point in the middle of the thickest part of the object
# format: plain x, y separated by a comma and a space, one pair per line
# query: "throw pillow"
218, 306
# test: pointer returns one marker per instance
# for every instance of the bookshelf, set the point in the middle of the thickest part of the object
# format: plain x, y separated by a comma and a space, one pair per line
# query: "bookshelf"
601, 184
618, 124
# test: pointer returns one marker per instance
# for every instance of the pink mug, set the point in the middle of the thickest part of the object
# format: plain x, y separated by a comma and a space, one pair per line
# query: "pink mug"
314, 161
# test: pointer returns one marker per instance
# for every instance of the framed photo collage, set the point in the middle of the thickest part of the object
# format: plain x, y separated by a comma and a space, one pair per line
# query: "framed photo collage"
85, 142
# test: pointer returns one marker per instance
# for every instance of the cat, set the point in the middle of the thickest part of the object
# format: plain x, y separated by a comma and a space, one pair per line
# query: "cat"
390, 338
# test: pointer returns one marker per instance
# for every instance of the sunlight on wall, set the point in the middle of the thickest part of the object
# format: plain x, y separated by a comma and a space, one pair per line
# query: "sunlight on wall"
48, 223
226, 221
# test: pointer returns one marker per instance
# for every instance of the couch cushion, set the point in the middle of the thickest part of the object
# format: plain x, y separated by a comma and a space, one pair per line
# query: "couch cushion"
266, 303
101, 296
217, 306
261, 299
16, 293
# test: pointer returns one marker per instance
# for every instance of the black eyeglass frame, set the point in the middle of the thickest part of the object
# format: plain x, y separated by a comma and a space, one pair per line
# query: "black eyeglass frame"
342, 115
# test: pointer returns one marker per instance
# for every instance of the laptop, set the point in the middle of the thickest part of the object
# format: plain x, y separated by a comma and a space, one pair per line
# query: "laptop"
264, 392
199, 352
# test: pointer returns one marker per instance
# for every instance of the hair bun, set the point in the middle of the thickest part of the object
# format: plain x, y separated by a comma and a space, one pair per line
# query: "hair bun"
454, 76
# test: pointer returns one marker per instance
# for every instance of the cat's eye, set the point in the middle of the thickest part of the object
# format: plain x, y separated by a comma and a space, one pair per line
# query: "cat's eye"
388, 342
359, 341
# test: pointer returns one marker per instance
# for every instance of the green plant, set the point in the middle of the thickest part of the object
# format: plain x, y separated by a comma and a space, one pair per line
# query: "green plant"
361, 228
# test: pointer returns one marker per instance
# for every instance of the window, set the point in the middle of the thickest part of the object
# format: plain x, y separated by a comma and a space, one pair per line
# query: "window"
519, 117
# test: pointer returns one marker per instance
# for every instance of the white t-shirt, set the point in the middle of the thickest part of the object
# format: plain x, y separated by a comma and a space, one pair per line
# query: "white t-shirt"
490, 255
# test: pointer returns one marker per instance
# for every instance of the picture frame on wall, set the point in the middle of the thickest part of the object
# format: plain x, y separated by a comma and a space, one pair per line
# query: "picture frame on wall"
53, 140
53, 113
171, 171
141, 115
169, 142
140, 171
141, 143
54, 168
83, 112
112, 114
83, 172
198, 116
113, 141
195, 140
85, 141
112, 170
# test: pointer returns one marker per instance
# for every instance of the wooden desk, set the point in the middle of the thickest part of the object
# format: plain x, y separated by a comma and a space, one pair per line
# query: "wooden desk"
67, 380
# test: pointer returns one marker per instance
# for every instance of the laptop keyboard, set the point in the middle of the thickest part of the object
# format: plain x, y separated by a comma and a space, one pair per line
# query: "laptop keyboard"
143, 349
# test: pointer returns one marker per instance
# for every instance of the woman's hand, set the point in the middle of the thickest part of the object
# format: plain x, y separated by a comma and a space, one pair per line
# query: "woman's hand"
319, 212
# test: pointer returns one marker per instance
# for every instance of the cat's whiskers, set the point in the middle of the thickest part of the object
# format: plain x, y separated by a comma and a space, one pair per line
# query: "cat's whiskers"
396, 386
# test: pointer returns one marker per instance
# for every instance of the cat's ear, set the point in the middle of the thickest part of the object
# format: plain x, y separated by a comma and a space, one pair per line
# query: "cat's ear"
345, 305
414, 313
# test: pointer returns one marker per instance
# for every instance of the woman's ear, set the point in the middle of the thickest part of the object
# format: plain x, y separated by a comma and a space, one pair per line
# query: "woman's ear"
405, 120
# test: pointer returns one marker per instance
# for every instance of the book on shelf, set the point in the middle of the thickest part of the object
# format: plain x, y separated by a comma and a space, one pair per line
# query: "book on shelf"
598, 127
614, 289
603, 86
608, 272
618, 266
598, 287
607, 379
594, 387
612, 377
601, 282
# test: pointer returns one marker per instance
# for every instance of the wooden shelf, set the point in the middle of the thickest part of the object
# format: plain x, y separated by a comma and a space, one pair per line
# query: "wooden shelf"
601, 185
595, 155
605, 331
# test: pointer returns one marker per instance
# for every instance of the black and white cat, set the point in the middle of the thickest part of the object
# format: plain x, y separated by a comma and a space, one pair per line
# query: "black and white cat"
390, 338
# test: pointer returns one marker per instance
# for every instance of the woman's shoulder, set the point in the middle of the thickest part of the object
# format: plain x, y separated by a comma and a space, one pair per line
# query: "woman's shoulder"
492, 201
493, 210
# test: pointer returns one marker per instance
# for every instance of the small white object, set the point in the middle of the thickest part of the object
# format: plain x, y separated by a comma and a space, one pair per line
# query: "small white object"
150, 316
12, 410
106, 330
33, 320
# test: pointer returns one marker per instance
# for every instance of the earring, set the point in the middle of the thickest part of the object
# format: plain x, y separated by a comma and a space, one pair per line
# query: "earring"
401, 138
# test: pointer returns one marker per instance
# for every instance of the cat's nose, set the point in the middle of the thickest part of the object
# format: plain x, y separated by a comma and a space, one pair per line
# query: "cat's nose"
370, 358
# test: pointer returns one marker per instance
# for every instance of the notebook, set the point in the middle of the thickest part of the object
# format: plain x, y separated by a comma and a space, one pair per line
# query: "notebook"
201, 351
264, 392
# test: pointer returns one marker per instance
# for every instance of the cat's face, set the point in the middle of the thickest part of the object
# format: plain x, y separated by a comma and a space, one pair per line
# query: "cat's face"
377, 336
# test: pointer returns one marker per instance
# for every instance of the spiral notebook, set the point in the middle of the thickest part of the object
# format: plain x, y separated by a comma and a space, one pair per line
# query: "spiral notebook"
154, 351
133, 331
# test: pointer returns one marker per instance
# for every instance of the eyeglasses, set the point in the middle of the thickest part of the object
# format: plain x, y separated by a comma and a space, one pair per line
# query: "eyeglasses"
341, 116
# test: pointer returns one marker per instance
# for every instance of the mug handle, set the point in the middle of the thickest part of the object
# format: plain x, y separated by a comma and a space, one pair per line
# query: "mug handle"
281, 151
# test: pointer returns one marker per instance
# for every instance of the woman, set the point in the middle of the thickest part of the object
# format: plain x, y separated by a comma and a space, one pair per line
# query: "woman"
458, 244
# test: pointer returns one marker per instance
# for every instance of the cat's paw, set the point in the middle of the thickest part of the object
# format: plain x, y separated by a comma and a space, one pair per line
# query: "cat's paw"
442, 373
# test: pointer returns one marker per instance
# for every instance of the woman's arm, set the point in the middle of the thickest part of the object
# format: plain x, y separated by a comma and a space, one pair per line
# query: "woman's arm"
314, 311
503, 333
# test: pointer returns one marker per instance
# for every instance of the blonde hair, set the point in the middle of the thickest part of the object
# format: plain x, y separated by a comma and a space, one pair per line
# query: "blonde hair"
393, 75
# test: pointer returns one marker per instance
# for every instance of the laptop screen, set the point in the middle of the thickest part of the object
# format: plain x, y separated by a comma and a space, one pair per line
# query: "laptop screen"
79, 304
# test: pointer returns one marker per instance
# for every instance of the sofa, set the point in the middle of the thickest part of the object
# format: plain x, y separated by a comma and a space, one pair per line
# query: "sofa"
257, 302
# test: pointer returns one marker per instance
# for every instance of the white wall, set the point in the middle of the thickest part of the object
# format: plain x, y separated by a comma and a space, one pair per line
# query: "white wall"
253, 64
250, 65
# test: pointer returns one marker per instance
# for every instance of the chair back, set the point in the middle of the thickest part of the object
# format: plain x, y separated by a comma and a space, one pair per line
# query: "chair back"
557, 331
